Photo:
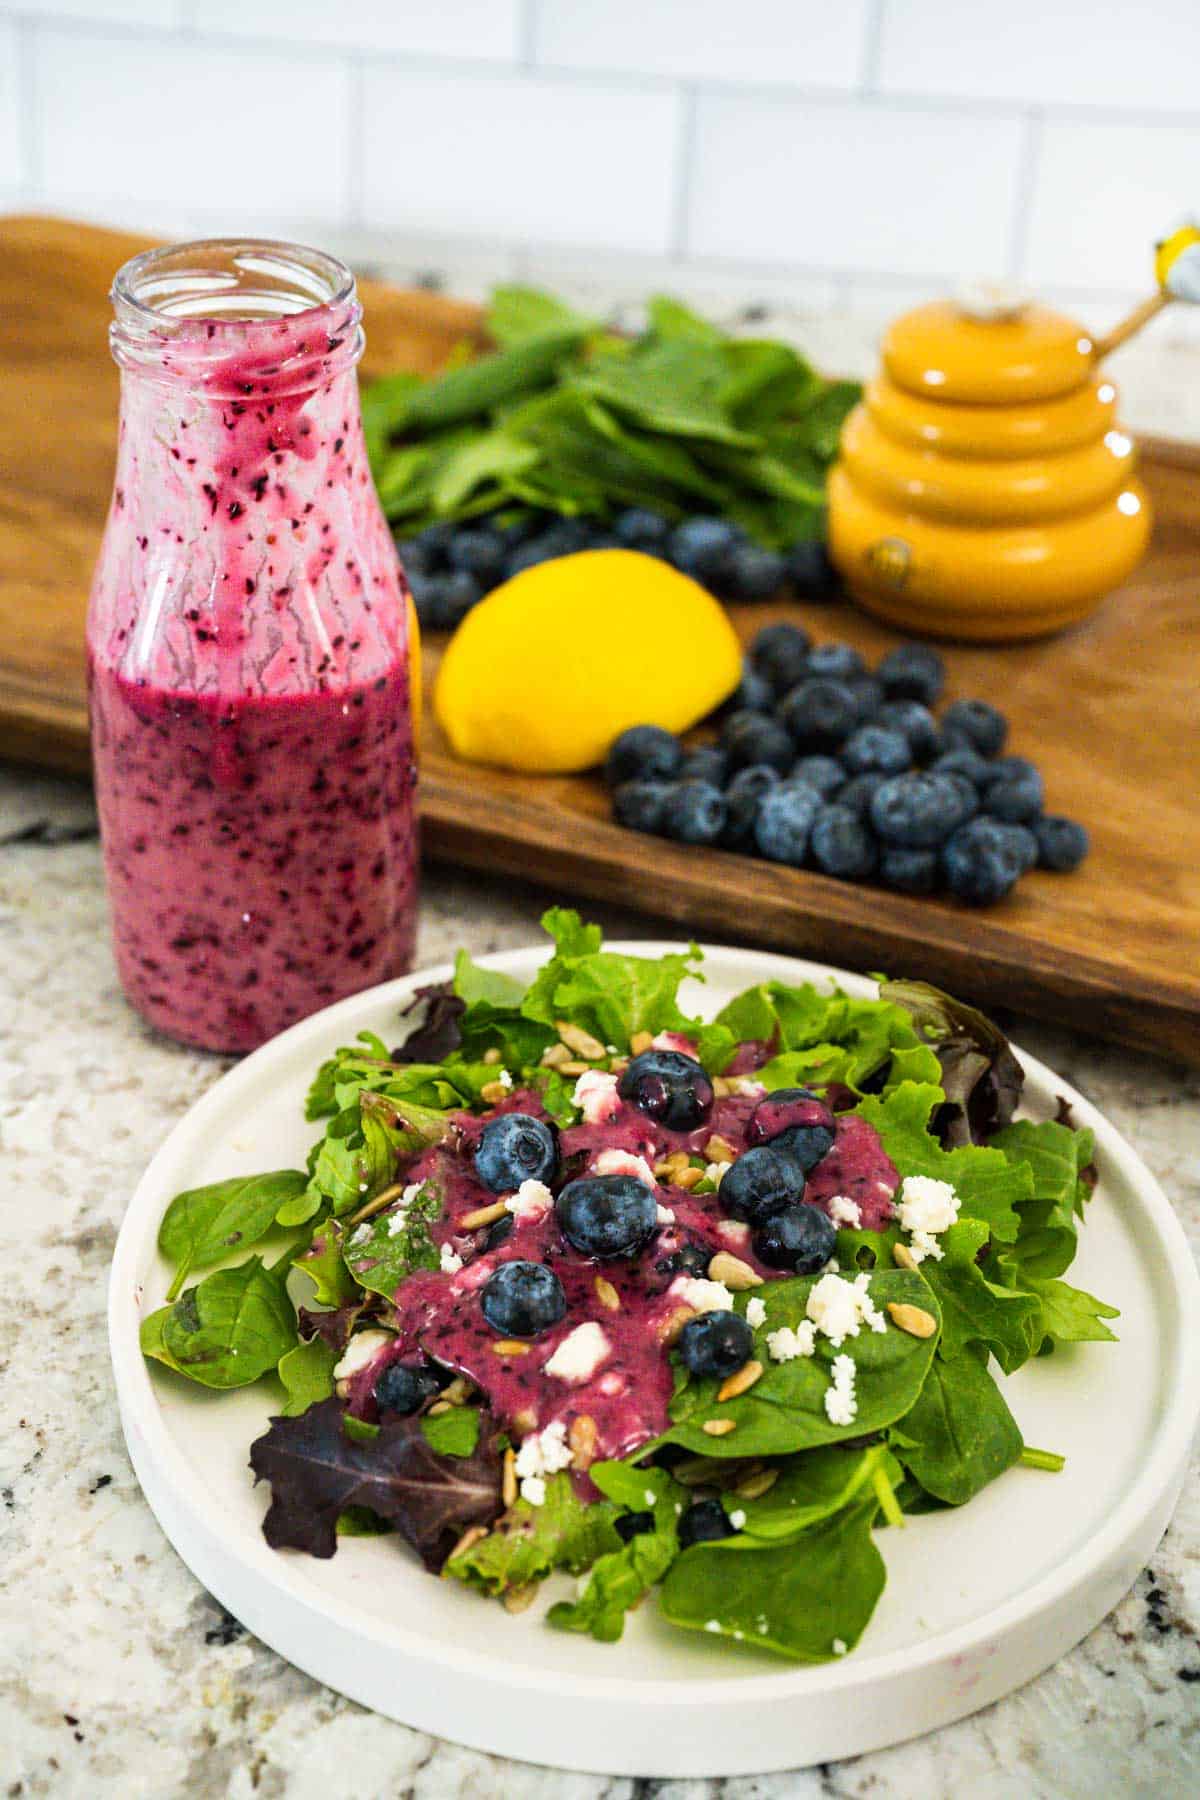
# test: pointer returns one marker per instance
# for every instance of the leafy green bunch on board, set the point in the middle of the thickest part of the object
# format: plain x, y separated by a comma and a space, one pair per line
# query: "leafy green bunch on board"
275, 1272
570, 417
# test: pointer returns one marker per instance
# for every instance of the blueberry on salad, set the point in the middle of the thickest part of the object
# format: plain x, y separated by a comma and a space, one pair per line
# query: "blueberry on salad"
762, 1181
607, 1215
801, 1238
796, 1120
669, 1087
523, 1299
405, 1387
704, 1522
513, 1148
716, 1343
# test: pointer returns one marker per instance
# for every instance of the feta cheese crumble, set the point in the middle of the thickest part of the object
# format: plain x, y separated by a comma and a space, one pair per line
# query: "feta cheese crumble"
596, 1096
756, 1312
399, 1218
532, 1200
702, 1296
622, 1162
665, 1216
450, 1260
737, 1519
362, 1349
840, 1646
786, 1344
844, 1211
542, 1453
839, 1308
841, 1405
927, 1208
580, 1353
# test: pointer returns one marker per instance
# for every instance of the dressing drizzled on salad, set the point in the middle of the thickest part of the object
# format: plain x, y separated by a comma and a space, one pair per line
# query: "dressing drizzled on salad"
578, 1282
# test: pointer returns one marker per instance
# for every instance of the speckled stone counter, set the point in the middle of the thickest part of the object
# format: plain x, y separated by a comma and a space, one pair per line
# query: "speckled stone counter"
120, 1677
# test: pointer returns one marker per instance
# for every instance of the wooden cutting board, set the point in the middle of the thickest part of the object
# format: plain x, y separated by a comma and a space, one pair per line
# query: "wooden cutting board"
1110, 710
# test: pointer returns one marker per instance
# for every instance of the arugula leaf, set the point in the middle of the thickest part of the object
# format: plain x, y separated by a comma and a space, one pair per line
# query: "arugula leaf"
822, 1038
1069, 1315
202, 1225
976, 1310
620, 1578
230, 1329
812, 1486
989, 1187
528, 1542
453, 1433
960, 1434
798, 1598
785, 1409
1057, 1156
380, 1258
307, 1375
316, 1470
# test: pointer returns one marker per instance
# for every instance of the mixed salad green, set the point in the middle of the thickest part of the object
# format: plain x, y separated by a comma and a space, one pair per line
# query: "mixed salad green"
278, 1275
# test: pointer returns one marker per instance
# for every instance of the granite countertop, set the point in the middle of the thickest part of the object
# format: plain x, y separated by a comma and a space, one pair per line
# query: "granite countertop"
121, 1677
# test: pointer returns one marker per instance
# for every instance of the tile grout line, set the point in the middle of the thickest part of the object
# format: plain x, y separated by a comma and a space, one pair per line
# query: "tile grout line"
527, 34
681, 199
1024, 192
356, 144
872, 47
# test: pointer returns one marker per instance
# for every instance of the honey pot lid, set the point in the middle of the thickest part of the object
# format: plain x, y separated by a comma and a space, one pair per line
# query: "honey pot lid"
987, 347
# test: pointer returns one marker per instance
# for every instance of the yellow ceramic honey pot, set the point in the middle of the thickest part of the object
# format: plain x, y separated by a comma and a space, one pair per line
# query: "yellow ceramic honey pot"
982, 489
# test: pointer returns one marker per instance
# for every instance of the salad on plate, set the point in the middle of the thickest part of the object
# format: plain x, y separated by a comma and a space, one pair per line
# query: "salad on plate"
576, 1283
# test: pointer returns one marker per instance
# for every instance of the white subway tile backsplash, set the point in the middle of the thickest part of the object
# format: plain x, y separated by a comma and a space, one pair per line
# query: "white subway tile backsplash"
1024, 50
845, 186
469, 28
157, 13
12, 163
1104, 194
513, 159
167, 126
809, 43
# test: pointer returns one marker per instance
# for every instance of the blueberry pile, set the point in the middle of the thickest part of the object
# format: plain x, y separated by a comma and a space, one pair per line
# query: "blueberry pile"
451, 567
821, 763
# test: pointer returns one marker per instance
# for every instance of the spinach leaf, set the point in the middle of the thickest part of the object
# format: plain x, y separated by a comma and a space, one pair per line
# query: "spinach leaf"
976, 1310
515, 314
620, 1578
453, 1433
230, 1329
202, 1225
812, 1486
989, 1186
307, 1375
671, 387
381, 1254
785, 1409
1069, 1315
528, 1542
810, 1598
960, 1434
492, 381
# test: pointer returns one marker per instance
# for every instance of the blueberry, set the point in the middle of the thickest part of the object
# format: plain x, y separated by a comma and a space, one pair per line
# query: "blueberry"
643, 753
702, 548
966, 790
873, 748
919, 811
868, 698
528, 555
754, 573
824, 773
909, 871
841, 844
515, 1147
917, 724
1017, 801
1062, 844
963, 761
716, 1343
762, 1181
689, 1259
443, 601
780, 652
499, 1233
835, 662
669, 1087
752, 737
434, 544
810, 571
566, 536
819, 714
784, 820
976, 723
796, 1121
481, 553
1025, 844
633, 1524
607, 1215
801, 1238
523, 1299
912, 672
858, 791
416, 560
405, 1387
640, 529
981, 863
1009, 768
704, 1522
638, 805
742, 798
753, 692
706, 762
693, 812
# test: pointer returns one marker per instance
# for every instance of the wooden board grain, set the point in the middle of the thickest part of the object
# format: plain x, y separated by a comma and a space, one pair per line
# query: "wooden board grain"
1110, 710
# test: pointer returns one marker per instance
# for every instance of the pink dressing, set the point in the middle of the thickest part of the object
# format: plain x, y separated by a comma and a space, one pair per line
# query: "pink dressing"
249, 672
439, 1315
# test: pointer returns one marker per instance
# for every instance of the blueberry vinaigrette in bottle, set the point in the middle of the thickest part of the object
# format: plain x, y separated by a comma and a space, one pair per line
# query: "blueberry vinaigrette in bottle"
252, 652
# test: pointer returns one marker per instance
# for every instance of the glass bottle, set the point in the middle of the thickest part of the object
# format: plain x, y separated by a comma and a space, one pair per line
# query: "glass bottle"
252, 652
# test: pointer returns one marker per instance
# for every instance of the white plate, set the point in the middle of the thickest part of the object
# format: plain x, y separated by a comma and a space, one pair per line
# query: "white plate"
977, 1601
